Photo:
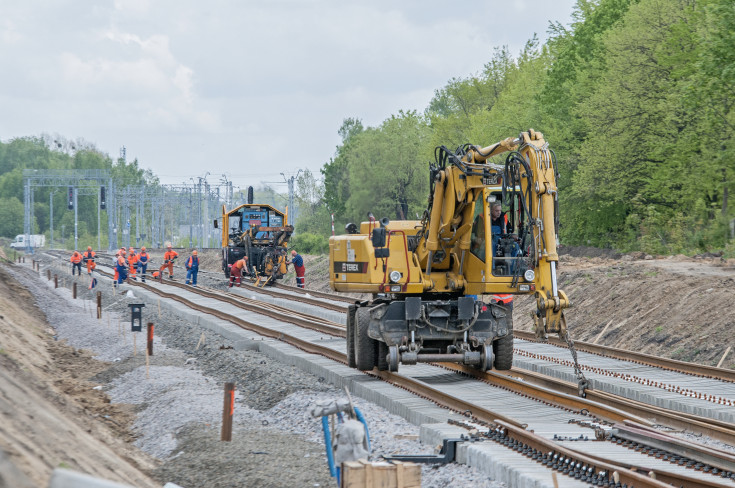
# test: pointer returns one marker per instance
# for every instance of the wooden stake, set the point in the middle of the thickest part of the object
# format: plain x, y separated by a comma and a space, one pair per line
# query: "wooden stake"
99, 305
202, 340
149, 349
135, 346
722, 359
227, 412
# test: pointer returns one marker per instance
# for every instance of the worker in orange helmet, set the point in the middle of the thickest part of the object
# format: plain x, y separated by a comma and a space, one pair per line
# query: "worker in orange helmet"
76, 263
192, 268
142, 262
88, 258
122, 269
133, 262
236, 271
168, 261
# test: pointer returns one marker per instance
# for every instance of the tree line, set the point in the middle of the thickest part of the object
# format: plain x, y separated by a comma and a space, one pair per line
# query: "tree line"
634, 97
56, 153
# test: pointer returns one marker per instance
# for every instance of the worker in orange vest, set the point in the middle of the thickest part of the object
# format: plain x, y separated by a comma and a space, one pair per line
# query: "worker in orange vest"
76, 263
132, 262
168, 261
121, 269
88, 258
120, 252
236, 271
143, 262
192, 268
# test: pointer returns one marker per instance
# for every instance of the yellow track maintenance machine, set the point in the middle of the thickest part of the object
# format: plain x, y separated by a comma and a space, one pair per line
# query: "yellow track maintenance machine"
258, 232
428, 277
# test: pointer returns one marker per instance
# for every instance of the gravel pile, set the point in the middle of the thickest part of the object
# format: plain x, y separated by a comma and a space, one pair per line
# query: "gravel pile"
179, 399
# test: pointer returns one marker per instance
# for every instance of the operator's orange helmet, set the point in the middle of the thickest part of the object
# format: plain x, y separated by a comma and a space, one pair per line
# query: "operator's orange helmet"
194, 252
142, 249
169, 246
89, 248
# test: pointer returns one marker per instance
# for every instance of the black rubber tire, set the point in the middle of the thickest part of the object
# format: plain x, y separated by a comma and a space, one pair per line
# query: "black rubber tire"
503, 350
382, 356
351, 336
364, 346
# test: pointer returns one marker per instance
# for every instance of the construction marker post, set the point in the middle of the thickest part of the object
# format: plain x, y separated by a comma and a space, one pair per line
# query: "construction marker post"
74, 290
150, 338
227, 412
99, 305
56, 281
48, 274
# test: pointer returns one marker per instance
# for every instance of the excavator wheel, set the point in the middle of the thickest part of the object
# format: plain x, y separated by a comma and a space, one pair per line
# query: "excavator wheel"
365, 347
503, 349
382, 356
351, 336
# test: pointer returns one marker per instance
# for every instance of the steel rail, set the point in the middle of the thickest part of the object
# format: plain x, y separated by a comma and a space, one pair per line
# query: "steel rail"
636, 357
717, 429
320, 294
267, 309
629, 474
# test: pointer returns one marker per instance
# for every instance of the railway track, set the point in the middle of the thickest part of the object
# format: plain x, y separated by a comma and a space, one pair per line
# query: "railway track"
543, 408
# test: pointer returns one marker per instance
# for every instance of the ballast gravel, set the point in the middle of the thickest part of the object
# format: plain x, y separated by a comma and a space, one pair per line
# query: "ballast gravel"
179, 397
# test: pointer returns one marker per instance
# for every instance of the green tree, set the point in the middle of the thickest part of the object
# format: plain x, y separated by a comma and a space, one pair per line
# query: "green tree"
11, 217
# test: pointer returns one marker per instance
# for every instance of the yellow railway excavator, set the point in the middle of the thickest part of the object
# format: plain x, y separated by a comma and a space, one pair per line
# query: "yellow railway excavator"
258, 232
428, 277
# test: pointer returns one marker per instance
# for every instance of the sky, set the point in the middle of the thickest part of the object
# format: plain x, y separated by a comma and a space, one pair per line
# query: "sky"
239, 90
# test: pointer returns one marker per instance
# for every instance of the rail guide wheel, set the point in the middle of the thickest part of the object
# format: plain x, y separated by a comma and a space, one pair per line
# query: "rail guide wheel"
393, 359
486, 358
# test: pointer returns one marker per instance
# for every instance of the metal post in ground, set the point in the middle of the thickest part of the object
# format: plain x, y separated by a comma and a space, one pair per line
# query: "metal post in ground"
227, 411
74, 291
56, 281
48, 274
150, 338
99, 305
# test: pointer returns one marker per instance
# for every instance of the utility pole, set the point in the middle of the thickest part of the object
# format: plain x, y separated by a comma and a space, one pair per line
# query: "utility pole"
99, 211
291, 209
76, 219
51, 220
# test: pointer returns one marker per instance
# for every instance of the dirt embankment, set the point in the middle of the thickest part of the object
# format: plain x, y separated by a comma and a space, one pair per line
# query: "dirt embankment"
676, 307
51, 416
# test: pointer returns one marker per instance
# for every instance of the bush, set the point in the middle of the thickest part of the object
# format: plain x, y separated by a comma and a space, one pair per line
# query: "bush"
309, 243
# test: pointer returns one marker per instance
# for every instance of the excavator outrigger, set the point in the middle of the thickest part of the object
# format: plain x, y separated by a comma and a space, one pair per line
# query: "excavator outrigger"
428, 276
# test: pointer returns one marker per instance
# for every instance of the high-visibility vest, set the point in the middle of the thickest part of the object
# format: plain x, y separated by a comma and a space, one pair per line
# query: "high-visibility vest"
504, 299
76, 258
